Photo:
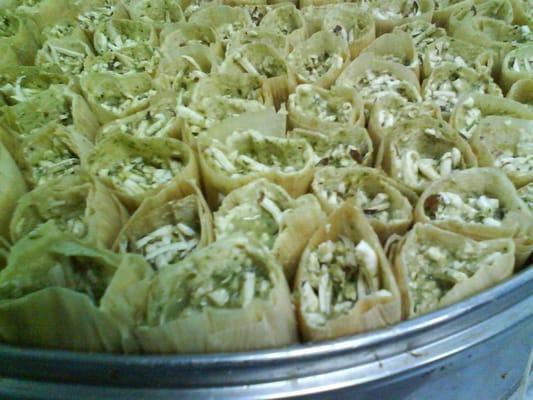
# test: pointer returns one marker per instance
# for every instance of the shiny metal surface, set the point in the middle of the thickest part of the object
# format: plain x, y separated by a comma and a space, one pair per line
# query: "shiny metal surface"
479, 348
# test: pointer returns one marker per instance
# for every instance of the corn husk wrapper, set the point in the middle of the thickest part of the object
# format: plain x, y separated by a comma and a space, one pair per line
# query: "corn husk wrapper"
263, 60
58, 104
283, 229
342, 147
516, 65
391, 13
224, 19
389, 111
60, 288
111, 153
159, 12
516, 222
337, 107
78, 205
182, 67
314, 16
404, 157
465, 80
19, 35
423, 33
52, 152
472, 108
259, 322
463, 20
333, 186
119, 34
353, 24
522, 92
158, 120
494, 264
397, 47
185, 33
361, 74
287, 20
269, 129
114, 96
190, 7
459, 52
12, 187
20, 83
181, 202
496, 137
375, 310
444, 9
321, 48
257, 11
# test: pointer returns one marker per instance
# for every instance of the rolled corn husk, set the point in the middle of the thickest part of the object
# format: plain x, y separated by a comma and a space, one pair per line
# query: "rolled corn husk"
507, 144
387, 204
390, 110
8, 57
119, 34
185, 33
95, 12
320, 59
423, 33
135, 59
247, 308
472, 108
522, 92
480, 203
242, 149
60, 289
426, 150
43, 13
137, 168
159, 13
444, 9
522, 14
446, 83
12, 188
367, 296
435, 268
266, 212
168, 226
344, 147
77, 205
353, 24
315, 108
397, 47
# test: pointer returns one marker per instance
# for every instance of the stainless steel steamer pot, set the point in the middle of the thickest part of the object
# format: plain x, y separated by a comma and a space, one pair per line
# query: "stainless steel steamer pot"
480, 348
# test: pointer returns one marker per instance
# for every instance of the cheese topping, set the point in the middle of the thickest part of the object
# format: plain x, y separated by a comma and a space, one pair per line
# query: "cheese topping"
91, 19
67, 56
315, 66
338, 274
395, 9
474, 209
526, 194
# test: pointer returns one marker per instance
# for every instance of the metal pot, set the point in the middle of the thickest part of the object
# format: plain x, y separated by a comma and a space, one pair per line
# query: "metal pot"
480, 348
